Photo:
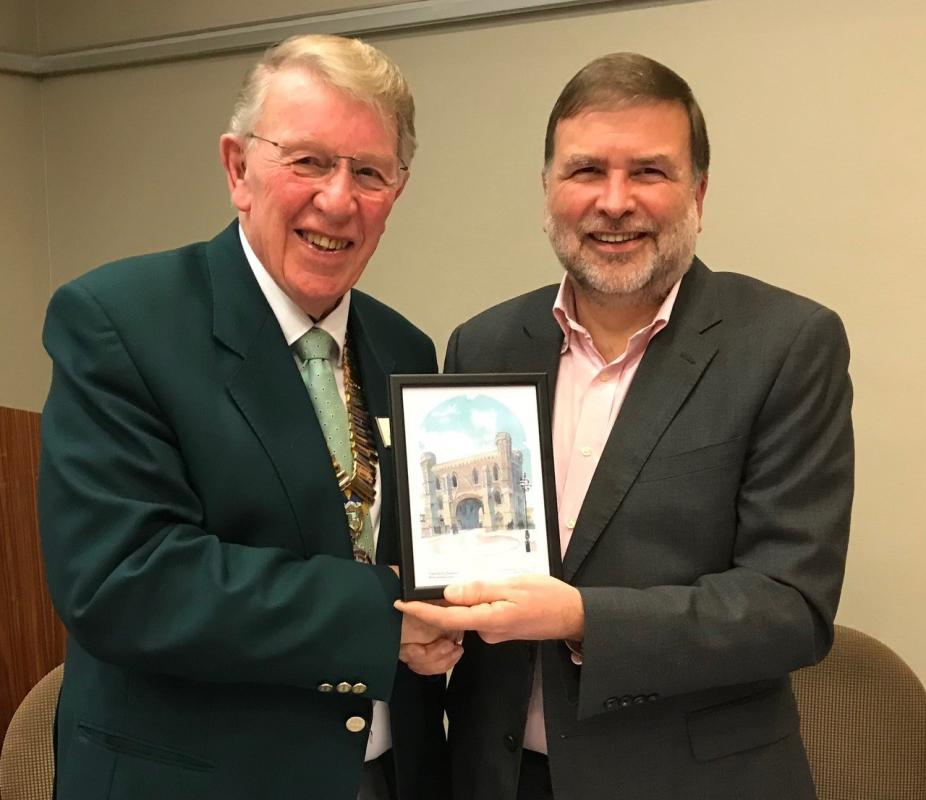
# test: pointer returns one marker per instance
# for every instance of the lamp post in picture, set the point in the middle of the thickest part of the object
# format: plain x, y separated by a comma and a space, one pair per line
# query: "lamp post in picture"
451, 511
525, 484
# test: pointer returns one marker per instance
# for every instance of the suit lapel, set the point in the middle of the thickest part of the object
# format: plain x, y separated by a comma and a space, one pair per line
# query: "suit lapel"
672, 365
542, 343
268, 390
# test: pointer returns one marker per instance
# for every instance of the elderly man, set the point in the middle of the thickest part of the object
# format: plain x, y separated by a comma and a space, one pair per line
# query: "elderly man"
216, 495
704, 460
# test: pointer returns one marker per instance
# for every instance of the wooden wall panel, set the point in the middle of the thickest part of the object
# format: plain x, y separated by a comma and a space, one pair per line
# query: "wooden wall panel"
31, 636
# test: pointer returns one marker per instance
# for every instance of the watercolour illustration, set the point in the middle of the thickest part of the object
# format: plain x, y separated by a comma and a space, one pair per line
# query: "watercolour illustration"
473, 462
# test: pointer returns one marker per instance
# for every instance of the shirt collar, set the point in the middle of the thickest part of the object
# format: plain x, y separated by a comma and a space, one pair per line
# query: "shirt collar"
294, 322
564, 312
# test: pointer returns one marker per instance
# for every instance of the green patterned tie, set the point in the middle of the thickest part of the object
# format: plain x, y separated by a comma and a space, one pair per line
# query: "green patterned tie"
316, 351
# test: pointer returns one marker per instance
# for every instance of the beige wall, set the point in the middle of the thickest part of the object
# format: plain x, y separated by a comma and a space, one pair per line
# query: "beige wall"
23, 245
816, 116
17, 26
147, 175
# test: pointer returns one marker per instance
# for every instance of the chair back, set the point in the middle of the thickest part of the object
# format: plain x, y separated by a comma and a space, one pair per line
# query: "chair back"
31, 636
863, 721
27, 762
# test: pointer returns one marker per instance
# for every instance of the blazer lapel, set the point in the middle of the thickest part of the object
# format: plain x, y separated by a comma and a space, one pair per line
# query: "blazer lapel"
671, 366
266, 386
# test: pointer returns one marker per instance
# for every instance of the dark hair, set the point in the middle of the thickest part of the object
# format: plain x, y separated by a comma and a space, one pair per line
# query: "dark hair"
628, 79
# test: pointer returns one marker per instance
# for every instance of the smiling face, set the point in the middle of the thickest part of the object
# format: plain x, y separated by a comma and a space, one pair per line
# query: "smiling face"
314, 237
623, 205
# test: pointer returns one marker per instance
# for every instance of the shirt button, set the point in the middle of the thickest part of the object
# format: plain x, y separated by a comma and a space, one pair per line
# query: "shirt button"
604, 377
586, 451
570, 523
355, 724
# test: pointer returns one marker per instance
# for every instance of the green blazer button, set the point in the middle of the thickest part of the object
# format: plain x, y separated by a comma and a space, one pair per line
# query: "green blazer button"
325, 687
355, 724
343, 687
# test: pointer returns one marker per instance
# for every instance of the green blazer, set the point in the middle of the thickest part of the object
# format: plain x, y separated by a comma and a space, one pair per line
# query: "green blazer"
197, 550
709, 552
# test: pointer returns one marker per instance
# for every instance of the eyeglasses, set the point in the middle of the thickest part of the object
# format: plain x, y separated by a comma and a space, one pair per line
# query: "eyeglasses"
312, 162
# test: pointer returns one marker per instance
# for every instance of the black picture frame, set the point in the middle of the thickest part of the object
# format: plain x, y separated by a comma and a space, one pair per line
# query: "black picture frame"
474, 468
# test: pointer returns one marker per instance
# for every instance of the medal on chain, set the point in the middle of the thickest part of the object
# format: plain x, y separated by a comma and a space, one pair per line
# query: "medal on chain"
359, 487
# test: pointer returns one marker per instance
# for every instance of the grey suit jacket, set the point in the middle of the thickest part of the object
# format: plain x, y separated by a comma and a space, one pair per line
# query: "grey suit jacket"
709, 552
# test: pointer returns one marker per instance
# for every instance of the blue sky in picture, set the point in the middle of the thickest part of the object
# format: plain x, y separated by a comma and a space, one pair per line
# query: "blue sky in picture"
466, 425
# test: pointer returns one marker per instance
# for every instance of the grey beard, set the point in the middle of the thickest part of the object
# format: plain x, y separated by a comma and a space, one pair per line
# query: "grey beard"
603, 280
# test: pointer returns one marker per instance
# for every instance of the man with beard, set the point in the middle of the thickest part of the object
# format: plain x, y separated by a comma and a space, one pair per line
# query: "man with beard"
704, 472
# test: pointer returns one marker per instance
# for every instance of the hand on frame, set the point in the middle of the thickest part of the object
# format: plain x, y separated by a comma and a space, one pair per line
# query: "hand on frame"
525, 607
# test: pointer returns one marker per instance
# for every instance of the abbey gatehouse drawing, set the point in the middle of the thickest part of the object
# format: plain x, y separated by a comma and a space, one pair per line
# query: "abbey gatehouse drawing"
484, 491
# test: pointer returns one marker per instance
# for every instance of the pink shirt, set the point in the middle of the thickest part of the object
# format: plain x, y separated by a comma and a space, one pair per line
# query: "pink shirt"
589, 396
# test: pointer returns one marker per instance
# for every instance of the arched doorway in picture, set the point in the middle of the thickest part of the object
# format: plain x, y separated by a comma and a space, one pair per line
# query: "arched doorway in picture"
469, 514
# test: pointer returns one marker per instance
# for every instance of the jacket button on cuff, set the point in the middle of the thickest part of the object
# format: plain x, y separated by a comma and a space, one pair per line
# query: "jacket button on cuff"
358, 688
343, 687
355, 724
625, 701
639, 699
510, 742
652, 697
610, 702
325, 687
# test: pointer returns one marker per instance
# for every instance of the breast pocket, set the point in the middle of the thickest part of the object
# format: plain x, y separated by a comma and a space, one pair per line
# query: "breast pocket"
722, 455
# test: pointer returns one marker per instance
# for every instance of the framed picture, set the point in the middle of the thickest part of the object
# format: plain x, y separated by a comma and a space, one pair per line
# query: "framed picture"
474, 467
